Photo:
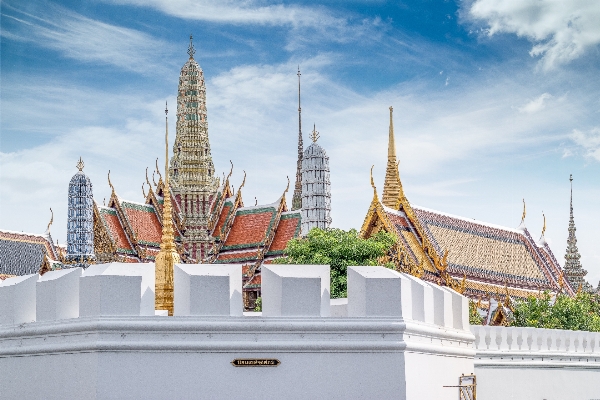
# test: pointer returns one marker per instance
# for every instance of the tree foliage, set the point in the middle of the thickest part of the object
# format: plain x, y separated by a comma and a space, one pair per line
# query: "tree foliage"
339, 249
474, 317
581, 312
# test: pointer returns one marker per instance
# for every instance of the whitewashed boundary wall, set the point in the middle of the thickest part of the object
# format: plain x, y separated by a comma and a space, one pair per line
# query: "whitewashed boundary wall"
531, 363
87, 334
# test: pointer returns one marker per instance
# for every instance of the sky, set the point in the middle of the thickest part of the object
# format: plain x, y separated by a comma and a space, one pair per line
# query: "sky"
495, 101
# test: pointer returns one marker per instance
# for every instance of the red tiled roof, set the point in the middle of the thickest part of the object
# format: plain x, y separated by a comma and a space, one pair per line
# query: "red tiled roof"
222, 218
115, 228
237, 256
250, 228
288, 228
254, 282
144, 222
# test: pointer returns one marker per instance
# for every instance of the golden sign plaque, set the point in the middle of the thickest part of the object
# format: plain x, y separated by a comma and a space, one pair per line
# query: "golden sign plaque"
255, 362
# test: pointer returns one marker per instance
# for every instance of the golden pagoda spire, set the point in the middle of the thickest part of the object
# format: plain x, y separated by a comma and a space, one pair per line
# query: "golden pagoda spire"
392, 188
167, 257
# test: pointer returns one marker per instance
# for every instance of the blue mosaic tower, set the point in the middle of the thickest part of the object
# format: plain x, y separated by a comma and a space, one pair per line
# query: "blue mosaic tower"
80, 227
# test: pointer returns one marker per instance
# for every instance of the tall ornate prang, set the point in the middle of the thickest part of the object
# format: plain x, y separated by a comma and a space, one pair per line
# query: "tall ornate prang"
80, 226
297, 198
167, 257
574, 272
392, 188
316, 187
192, 171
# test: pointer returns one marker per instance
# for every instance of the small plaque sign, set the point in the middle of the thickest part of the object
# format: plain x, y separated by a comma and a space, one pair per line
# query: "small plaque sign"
255, 362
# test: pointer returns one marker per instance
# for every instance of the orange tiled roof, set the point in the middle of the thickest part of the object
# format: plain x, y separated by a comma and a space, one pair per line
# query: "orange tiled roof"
237, 256
143, 222
250, 227
288, 228
227, 207
115, 229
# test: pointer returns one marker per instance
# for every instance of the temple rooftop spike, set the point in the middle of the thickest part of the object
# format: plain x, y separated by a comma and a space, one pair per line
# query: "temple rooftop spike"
392, 187
80, 164
297, 197
574, 272
191, 50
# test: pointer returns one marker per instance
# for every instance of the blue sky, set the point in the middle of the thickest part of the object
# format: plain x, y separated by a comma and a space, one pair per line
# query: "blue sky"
494, 101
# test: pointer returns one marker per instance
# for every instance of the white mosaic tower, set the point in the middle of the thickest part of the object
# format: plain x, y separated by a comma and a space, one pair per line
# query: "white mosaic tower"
80, 225
316, 187
192, 172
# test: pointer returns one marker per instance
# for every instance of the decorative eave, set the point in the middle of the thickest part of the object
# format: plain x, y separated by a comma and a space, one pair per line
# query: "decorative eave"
103, 241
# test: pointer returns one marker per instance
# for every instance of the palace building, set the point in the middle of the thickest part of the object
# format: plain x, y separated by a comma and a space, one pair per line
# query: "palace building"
478, 259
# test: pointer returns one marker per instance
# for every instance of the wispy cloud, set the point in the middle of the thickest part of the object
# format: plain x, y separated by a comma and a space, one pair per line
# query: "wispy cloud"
84, 39
536, 104
560, 31
589, 141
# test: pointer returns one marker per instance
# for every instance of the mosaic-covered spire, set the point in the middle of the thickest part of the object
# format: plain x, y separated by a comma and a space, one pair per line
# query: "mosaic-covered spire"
316, 187
192, 172
574, 272
392, 188
80, 225
297, 198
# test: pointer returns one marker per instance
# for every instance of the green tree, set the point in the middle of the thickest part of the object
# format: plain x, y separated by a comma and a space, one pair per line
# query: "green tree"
338, 249
474, 317
581, 312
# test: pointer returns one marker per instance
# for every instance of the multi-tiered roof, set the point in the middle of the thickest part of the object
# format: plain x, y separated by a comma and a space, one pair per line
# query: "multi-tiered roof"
473, 257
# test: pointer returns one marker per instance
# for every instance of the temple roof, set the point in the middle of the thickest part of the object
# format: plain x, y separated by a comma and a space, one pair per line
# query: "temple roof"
23, 253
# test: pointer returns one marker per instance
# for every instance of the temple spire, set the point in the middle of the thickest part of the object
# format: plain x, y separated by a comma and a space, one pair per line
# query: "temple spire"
297, 198
191, 50
392, 187
167, 257
574, 272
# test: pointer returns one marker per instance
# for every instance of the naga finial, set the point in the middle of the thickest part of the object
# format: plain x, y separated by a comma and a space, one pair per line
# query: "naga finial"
230, 171
191, 50
110, 183
243, 183
143, 191
158, 171
288, 186
314, 134
147, 180
544, 227
524, 212
80, 164
51, 219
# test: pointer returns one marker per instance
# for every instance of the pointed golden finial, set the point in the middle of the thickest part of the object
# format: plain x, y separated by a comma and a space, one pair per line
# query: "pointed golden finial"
147, 180
243, 182
110, 183
167, 257
230, 171
314, 134
373, 184
544, 227
143, 191
51, 219
153, 181
158, 171
191, 50
288, 186
80, 164
524, 212
392, 187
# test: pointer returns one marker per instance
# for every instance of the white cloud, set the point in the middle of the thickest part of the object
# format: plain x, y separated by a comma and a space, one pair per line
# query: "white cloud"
84, 39
535, 105
560, 30
236, 12
589, 141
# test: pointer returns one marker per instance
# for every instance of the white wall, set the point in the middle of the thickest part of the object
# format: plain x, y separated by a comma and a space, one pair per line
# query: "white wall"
549, 364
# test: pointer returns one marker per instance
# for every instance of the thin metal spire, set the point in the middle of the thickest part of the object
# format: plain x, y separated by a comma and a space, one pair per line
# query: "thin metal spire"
297, 198
191, 50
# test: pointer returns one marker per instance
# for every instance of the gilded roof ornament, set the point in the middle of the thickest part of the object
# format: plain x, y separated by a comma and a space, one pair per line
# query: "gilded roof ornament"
143, 191
110, 183
287, 187
314, 135
524, 212
243, 182
147, 180
191, 50
51, 219
544, 227
230, 171
80, 164
392, 187
167, 257
158, 171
